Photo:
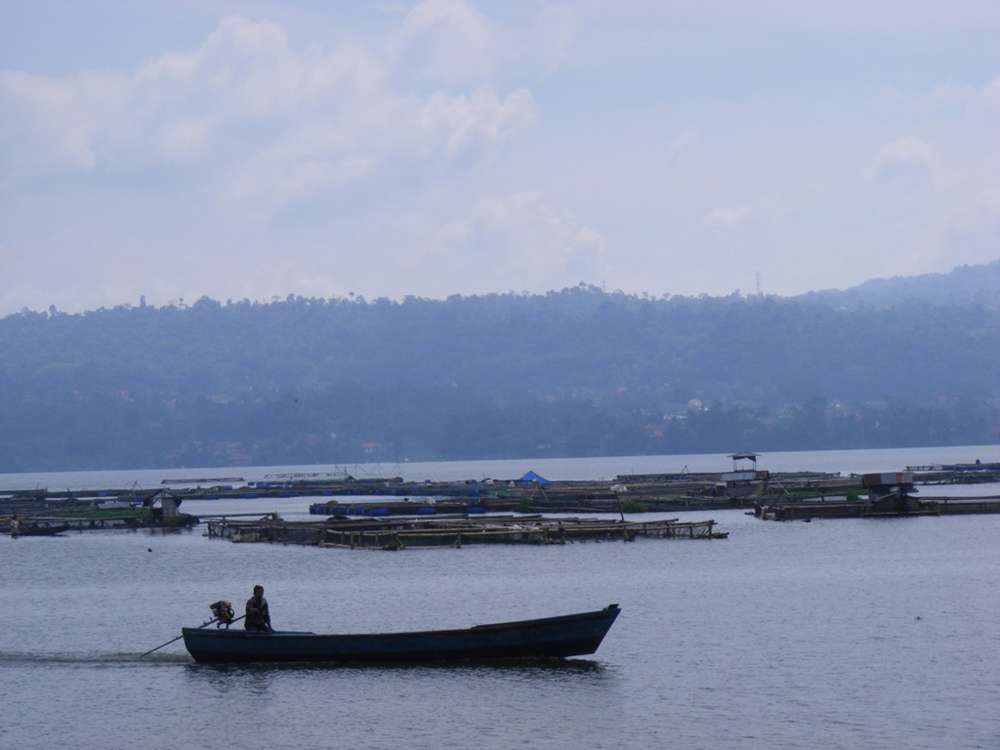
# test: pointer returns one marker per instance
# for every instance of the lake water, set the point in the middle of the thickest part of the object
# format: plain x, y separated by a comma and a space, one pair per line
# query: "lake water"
835, 634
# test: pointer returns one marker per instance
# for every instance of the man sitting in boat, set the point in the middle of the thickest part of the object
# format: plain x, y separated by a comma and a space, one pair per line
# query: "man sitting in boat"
258, 615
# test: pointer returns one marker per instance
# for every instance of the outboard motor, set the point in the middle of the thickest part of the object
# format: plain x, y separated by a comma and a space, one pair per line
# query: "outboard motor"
223, 612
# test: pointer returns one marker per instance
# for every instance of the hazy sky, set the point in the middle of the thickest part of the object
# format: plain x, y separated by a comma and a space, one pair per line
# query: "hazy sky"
256, 148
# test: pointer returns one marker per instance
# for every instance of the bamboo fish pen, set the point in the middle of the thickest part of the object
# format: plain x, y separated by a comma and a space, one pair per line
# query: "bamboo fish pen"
457, 532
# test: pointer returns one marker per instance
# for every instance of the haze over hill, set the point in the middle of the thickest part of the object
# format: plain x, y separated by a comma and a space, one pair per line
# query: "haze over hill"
964, 285
570, 373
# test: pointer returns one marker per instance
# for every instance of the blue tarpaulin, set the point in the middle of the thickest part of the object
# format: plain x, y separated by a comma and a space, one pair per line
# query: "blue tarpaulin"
533, 477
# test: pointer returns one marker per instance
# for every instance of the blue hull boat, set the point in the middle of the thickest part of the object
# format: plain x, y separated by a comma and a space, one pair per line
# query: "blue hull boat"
567, 635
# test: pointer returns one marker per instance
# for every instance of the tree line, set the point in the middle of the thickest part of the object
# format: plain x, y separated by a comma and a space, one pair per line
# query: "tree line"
570, 373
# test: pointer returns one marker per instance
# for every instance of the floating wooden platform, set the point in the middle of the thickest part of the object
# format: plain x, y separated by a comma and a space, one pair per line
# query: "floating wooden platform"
201, 480
792, 494
956, 474
841, 508
102, 523
384, 534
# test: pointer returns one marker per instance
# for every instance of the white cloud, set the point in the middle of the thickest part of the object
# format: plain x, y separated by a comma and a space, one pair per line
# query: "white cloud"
684, 140
729, 216
451, 42
762, 210
372, 143
522, 242
449, 124
54, 124
947, 96
553, 31
445, 40
907, 159
247, 114
988, 201
987, 99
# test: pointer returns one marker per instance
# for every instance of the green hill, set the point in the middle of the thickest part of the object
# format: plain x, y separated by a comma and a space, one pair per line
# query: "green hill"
574, 372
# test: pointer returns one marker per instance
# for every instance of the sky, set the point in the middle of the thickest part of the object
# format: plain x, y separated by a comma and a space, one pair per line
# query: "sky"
256, 149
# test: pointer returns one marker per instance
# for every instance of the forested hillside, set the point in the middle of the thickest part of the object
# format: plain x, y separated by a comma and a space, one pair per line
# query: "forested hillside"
576, 372
965, 285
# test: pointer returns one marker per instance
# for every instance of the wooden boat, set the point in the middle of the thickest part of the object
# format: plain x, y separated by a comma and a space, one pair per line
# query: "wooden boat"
567, 635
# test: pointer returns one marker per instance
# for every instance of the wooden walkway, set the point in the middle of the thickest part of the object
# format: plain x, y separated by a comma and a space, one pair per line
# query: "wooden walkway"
384, 534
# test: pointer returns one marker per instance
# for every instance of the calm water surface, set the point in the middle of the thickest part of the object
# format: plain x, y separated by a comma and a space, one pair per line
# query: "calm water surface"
833, 634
